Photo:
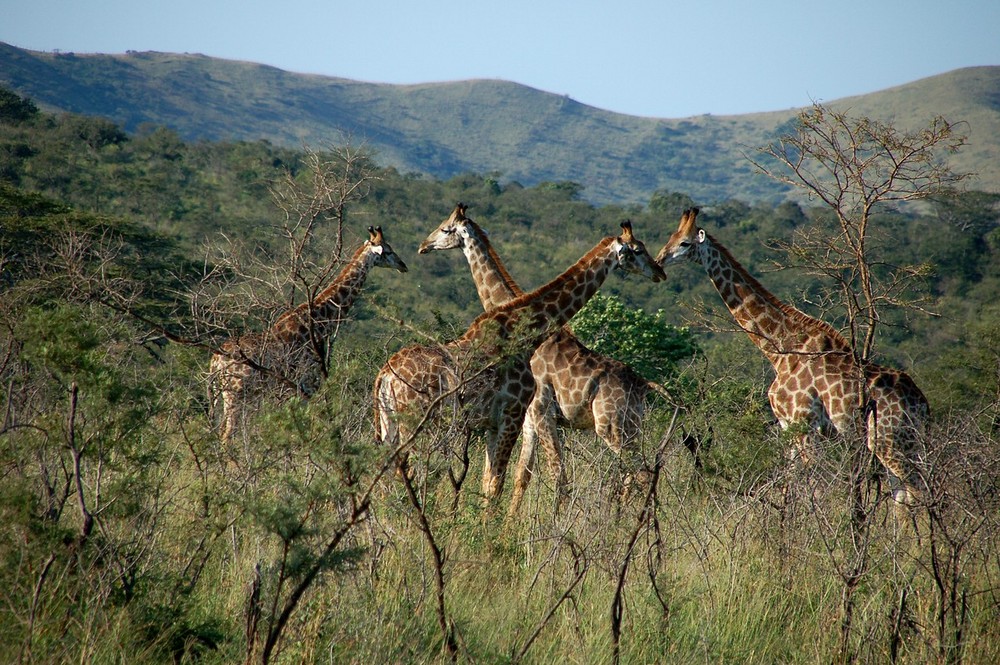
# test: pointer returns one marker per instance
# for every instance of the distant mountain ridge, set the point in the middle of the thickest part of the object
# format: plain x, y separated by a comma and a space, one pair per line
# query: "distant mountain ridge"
479, 126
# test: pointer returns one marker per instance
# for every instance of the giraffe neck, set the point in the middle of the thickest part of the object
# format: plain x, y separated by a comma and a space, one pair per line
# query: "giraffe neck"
330, 305
493, 283
776, 328
551, 306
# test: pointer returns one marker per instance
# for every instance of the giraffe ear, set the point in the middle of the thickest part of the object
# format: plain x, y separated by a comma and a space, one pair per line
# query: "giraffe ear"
701, 236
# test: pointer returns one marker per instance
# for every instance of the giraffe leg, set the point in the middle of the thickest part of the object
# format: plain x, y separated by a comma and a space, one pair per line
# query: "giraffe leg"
214, 395
540, 426
390, 431
620, 433
638, 473
604, 426
230, 413
498, 454
493, 469
525, 462
233, 378
226, 421
903, 478
548, 434
398, 434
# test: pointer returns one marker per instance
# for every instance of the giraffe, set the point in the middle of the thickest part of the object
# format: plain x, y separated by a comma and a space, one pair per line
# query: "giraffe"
290, 353
486, 371
818, 380
573, 384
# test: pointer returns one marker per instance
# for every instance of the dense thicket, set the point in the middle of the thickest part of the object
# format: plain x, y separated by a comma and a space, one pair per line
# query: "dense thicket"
129, 530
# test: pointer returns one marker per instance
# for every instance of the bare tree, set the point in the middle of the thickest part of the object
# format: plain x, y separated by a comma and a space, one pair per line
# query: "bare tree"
857, 167
320, 195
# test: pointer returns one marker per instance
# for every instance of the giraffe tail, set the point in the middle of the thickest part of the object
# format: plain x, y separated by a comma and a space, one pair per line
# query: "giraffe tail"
212, 390
386, 429
871, 411
376, 410
661, 391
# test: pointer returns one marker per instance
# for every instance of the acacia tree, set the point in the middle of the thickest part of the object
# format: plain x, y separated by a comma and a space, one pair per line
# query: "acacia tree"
320, 193
857, 167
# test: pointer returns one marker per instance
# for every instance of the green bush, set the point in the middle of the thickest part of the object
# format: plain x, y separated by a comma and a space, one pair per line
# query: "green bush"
644, 341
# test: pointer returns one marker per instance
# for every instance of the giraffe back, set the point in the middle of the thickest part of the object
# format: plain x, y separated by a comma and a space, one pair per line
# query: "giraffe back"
590, 389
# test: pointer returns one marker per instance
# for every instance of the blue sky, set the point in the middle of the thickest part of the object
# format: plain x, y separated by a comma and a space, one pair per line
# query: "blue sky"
654, 58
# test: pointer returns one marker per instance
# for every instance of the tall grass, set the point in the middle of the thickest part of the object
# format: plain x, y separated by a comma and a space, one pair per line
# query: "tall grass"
729, 563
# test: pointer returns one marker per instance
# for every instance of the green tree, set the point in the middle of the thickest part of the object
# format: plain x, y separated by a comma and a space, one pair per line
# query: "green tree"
15, 109
669, 203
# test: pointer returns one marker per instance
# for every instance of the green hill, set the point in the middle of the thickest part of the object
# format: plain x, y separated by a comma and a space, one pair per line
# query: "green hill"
481, 126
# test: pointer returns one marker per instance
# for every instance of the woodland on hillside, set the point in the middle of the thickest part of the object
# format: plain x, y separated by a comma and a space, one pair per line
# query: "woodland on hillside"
132, 532
444, 130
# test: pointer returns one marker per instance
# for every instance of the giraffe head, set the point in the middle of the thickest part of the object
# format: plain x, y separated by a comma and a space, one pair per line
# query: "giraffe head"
633, 257
686, 236
380, 252
452, 233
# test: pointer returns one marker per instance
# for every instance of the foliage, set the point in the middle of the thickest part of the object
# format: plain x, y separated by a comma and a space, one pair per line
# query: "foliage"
15, 109
641, 340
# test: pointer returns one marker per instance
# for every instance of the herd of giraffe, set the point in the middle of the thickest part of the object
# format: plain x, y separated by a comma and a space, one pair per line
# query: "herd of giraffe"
519, 370
572, 385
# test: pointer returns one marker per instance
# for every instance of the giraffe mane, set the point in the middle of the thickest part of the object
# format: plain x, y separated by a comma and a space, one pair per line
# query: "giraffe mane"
555, 284
501, 268
792, 312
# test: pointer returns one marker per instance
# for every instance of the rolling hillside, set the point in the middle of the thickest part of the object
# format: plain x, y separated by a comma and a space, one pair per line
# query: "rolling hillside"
481, 126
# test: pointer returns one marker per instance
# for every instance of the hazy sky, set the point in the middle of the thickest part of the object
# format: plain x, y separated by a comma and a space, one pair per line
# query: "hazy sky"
656, 58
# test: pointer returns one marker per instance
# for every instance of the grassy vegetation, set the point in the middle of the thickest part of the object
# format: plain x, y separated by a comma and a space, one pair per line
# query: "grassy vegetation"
715, 573
130, 533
